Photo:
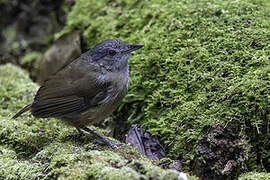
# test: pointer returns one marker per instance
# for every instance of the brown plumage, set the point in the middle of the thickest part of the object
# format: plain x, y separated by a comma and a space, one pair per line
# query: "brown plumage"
88, 89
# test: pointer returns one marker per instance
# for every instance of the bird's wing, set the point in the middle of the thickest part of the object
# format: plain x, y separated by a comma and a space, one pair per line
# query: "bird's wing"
74, 89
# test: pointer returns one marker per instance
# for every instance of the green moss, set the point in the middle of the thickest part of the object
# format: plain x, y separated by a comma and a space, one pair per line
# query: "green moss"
14, 168
203, 63
16, 89
255, 176
31, 62
33, 148
10, 37
31, 57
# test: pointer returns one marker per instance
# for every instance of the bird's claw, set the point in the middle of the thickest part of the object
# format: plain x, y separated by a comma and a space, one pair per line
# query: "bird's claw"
107, 142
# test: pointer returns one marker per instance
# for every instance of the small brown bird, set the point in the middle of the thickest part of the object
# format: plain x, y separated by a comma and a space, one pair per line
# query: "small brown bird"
87, 90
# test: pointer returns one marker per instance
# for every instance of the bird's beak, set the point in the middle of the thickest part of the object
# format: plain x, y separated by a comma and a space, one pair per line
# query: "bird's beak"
133, 47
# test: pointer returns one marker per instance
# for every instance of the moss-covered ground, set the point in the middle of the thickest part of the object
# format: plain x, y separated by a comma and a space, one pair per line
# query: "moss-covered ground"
39, 148
254, 176
204, 62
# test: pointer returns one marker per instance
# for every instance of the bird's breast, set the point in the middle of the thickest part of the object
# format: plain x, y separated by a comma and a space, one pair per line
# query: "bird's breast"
114, 95
120, 84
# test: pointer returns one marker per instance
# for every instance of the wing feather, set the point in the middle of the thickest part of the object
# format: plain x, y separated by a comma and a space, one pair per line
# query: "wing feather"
71, 91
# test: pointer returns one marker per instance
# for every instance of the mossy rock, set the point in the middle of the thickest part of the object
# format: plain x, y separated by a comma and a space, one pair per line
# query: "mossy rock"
203, 63
33, 148
255, 176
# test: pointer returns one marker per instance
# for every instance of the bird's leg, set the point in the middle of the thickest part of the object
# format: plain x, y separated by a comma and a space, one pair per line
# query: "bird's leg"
74, 135
104, 140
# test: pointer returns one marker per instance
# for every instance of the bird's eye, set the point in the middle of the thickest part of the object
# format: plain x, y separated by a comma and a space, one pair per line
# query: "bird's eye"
112, 52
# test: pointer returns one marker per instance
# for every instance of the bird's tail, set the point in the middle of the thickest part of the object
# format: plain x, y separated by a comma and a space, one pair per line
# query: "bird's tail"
26, 108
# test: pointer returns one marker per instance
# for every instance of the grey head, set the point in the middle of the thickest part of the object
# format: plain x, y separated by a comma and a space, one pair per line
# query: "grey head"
112, 54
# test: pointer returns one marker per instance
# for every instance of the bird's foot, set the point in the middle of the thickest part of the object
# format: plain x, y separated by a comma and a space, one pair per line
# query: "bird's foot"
106, 142
102, 140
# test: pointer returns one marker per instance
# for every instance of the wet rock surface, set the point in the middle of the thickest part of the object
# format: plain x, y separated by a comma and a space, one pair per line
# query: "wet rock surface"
62, 52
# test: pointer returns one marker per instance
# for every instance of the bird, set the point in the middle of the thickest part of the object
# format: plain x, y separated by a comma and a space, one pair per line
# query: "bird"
88, 89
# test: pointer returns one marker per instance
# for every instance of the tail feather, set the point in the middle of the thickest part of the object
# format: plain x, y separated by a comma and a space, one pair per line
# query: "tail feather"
26, 108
